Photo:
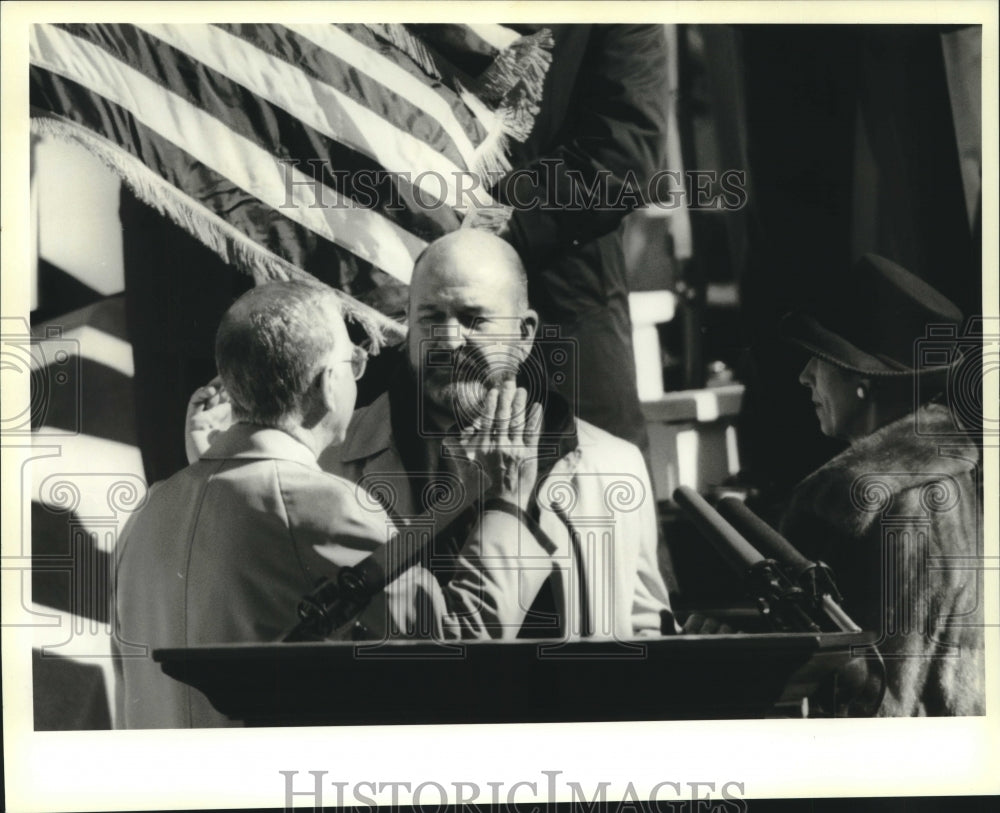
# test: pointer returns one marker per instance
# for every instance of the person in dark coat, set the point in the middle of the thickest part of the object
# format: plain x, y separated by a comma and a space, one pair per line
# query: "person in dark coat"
898, 514
597, 141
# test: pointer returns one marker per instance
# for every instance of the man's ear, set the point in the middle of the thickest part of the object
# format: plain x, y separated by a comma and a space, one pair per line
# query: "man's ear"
326, 389
529, 327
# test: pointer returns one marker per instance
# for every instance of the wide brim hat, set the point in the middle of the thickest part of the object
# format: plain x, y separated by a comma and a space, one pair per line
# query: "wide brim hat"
874, 321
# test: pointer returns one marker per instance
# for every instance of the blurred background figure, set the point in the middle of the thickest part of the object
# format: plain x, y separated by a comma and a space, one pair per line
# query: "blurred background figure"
599, 138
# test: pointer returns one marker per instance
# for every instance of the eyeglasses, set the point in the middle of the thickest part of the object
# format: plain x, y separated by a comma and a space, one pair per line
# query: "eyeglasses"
358, 361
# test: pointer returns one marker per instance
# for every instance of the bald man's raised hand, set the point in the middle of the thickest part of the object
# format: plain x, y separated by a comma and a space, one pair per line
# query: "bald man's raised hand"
503, 441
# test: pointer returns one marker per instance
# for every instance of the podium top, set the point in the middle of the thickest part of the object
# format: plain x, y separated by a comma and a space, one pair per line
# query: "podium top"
421, 682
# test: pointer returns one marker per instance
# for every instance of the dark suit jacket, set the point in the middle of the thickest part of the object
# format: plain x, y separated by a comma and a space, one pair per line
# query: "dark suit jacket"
599, 136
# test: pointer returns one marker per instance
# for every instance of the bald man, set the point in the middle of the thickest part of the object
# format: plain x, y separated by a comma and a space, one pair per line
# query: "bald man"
223, 551
470, 329
469, 323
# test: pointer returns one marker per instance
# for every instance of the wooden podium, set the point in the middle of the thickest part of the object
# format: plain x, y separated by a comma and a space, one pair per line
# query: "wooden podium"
403, 682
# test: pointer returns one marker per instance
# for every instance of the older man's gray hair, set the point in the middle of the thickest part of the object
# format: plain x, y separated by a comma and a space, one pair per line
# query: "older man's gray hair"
270, 345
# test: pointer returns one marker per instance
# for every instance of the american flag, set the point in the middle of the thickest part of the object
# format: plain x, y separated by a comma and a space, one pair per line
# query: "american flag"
277, 144
235, 132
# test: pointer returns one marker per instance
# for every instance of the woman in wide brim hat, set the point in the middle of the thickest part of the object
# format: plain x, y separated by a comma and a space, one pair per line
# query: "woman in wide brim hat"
898, 514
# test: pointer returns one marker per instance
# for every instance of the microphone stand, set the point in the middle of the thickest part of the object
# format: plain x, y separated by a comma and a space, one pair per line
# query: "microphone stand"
814, 578
784, 603
333, 603
810, 593
330, 606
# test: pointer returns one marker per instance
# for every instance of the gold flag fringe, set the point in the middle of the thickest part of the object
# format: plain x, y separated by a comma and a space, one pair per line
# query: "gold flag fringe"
524, 62
489, 218
489, 161
511, 88
397, 35
234, 247
504, 98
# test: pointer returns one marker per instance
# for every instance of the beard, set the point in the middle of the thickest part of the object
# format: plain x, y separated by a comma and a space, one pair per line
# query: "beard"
458, 391
458, 398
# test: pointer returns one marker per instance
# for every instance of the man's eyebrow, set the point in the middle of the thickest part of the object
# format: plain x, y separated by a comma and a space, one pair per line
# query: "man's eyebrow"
468, 310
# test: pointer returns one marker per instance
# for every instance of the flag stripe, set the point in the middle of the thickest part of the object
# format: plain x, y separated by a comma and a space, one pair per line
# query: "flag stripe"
369, 235
272, 128
358, 47
322, 106
177, 167
348, 58
220, 236
374, 36
332, 149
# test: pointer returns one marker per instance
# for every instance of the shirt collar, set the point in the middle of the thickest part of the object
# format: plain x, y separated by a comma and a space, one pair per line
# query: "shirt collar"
244, 440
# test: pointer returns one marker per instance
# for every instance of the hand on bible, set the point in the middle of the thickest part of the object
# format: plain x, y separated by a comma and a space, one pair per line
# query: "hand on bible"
208, 413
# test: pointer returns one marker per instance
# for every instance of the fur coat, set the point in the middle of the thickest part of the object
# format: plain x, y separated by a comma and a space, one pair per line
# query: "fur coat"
898, 516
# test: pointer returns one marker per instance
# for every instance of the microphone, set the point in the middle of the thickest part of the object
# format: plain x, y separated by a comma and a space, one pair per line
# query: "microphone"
815, 578
334, 602
778, 598
763, 535
739, 553
859, 687
854, 689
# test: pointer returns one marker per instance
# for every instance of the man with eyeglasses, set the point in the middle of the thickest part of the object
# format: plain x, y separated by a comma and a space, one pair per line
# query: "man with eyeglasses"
225, 549
471, 332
